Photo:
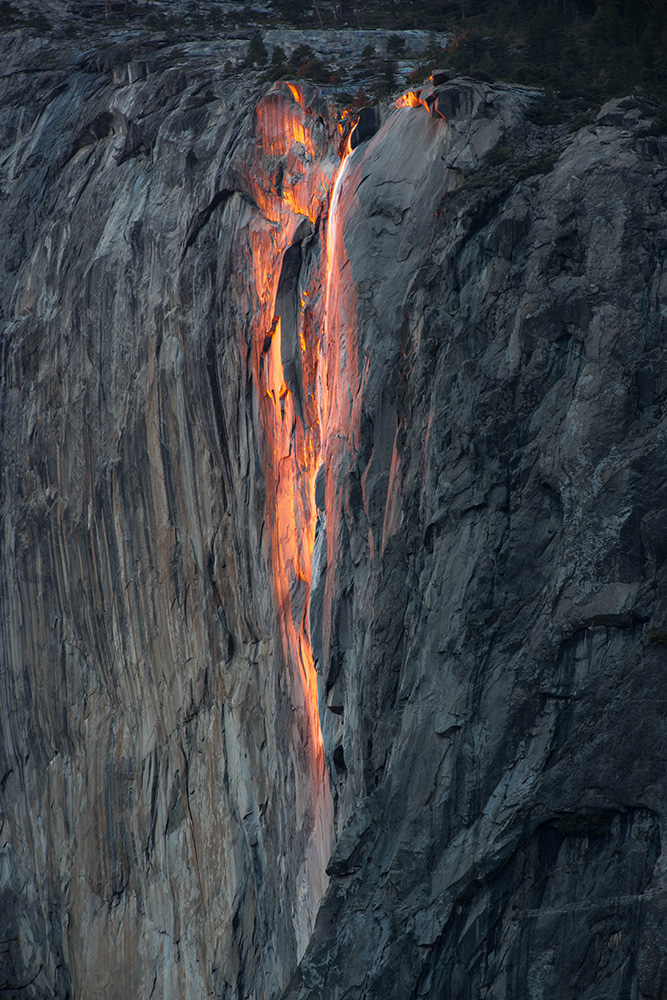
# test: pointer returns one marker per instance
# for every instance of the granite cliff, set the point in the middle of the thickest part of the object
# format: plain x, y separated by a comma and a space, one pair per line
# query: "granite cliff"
334, 527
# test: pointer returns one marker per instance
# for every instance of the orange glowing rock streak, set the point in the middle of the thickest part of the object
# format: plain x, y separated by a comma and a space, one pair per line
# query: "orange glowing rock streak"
280, 126
290, 445
416, 99
297, 94
410, 100
291, 433
289, 453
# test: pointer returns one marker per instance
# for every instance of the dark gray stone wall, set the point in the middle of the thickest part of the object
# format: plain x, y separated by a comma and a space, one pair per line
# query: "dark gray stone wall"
495, 666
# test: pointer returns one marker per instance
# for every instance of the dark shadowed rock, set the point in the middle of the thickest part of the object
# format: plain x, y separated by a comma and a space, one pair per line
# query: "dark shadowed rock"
459, 100
439, 76
495, 597
365, 127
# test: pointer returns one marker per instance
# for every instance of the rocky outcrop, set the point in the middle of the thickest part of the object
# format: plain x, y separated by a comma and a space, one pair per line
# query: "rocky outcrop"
495, 581
469, 346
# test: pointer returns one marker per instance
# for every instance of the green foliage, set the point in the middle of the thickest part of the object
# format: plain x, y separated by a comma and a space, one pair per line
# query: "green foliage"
257, 54
419, 73
303, 63
383, 80
542, 164
302, 54
12, 17
501, 168
278, 68
549, 111
573, 49
176, 56
9, 14
344, 98
581, 120
294, 11
498, 155
317, 71
215, 18
594, 49
395, 46
360, 100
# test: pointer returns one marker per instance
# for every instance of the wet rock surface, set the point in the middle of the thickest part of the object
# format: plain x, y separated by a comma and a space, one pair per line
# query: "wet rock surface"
488, 574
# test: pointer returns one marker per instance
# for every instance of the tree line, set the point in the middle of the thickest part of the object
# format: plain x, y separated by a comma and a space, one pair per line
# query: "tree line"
589, 48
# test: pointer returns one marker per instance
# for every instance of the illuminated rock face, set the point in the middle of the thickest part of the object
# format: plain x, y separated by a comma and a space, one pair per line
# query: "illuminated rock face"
166, 809
478, 373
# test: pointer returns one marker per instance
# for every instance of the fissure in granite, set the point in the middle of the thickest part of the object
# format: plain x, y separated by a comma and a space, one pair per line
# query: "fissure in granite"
477, 369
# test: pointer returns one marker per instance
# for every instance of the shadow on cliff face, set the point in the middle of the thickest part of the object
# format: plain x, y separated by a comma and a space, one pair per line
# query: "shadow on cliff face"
495, 697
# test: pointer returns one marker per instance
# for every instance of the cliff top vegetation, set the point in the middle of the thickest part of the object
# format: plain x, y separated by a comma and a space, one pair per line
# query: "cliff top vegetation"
587, 48
580, 51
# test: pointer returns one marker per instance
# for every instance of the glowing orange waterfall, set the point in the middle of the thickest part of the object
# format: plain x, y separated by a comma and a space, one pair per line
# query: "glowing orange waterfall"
290, 414
411, 99
289, 432
331, 221
289, 179
338, 382
289, 454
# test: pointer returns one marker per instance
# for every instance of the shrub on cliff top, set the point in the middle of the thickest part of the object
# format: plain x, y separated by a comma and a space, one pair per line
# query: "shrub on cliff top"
8, 14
